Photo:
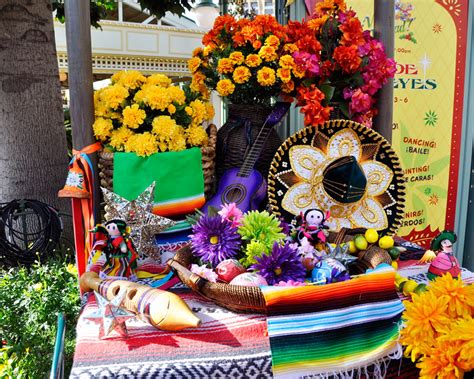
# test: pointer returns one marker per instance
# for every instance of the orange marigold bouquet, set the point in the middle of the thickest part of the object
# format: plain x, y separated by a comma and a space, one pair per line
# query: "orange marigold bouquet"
351, 68
439, 328
248, 61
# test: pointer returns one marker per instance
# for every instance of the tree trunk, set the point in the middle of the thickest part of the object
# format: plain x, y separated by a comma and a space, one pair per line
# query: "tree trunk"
33, 155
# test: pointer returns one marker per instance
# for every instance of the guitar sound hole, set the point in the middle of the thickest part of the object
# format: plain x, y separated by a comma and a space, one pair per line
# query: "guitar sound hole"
234, 194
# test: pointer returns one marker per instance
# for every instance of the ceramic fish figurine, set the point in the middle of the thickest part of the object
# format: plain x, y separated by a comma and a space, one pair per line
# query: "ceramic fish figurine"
445, 261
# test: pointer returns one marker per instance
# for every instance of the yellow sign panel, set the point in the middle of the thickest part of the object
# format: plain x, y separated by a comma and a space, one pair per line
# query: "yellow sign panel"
430, 45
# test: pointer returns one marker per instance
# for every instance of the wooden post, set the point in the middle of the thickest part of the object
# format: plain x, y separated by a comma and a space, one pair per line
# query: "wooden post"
79, 53
384, 19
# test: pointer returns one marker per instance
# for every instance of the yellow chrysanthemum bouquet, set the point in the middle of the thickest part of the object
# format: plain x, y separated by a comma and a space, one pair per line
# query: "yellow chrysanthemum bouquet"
439, 329
248, 61
146, 115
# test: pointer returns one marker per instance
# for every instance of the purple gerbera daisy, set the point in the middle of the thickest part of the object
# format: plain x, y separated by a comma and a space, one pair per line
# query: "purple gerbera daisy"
214, 240
282, 264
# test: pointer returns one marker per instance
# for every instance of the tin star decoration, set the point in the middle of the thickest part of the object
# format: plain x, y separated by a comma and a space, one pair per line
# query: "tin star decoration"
144, 225
111, 315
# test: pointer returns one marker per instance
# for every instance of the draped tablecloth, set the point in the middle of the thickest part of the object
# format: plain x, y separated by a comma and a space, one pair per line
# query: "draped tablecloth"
226, 345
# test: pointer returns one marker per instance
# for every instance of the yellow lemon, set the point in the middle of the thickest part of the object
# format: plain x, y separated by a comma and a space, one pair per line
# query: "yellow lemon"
409, 287
371, 236
352, 247
360, 242
386, 242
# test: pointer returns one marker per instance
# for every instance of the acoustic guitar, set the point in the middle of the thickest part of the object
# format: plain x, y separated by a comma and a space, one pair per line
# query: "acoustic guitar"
245, 186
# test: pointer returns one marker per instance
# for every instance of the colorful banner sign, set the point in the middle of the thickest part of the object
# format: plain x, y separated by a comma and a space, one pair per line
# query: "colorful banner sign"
430, 51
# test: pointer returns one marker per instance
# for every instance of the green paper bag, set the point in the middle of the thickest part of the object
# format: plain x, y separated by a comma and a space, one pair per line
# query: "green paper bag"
178, 175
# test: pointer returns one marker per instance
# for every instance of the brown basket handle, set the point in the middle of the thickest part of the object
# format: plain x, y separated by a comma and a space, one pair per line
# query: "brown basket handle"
194, 281
346, 231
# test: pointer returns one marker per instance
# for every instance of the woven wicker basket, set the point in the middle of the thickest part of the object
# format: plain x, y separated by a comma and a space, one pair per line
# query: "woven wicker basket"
106, 164
250, 299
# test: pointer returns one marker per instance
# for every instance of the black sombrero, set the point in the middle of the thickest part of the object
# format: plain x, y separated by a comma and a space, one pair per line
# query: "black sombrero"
343, 167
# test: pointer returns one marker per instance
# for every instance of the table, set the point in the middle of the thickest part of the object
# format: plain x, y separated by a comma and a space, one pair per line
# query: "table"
226, 345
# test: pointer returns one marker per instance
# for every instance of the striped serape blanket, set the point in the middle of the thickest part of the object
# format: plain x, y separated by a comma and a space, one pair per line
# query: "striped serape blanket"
226, 345
335, 330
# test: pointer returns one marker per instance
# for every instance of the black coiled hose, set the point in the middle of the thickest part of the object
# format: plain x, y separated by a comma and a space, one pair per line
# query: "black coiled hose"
29, 230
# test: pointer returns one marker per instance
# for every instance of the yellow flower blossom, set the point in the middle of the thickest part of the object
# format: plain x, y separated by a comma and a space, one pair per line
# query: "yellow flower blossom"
286, 61
199, 112
284, 74
290, 48
196, 136
315, 24
169, 135
158, 80
268, 53
193, 64
197, 51
241, 75
143, 144
198, 84
210, 111
266, 76
225, 87
72, 269
253, 60
102, 128
237, 57
207, 50
156, 97
171, 109
133, 116
177, 95
425, 317
461, 332
116, 77
119, 138
178, 143
164, 126
100, 109
299, 72
189, 111
461, 296
272, 41
129, 79
113, 96
225, 66
288, 87
441, 362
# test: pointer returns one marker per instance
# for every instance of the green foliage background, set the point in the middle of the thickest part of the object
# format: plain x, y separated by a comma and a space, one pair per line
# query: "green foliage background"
30, 300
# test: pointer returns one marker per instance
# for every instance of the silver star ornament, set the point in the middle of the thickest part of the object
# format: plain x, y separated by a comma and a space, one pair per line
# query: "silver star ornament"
110, 315
138, 215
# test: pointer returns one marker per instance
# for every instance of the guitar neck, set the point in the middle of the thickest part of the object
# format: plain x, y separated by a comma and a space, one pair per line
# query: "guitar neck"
255, 150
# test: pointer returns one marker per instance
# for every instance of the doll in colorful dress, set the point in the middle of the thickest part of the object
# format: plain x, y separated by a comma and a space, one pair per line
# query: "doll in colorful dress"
120, 254
313, 226
444, 261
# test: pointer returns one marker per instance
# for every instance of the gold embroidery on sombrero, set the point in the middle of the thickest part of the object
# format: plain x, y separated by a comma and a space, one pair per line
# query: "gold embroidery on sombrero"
309, 163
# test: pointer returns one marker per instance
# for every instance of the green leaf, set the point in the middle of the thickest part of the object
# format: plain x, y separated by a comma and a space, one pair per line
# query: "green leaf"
328, 91
344, 108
